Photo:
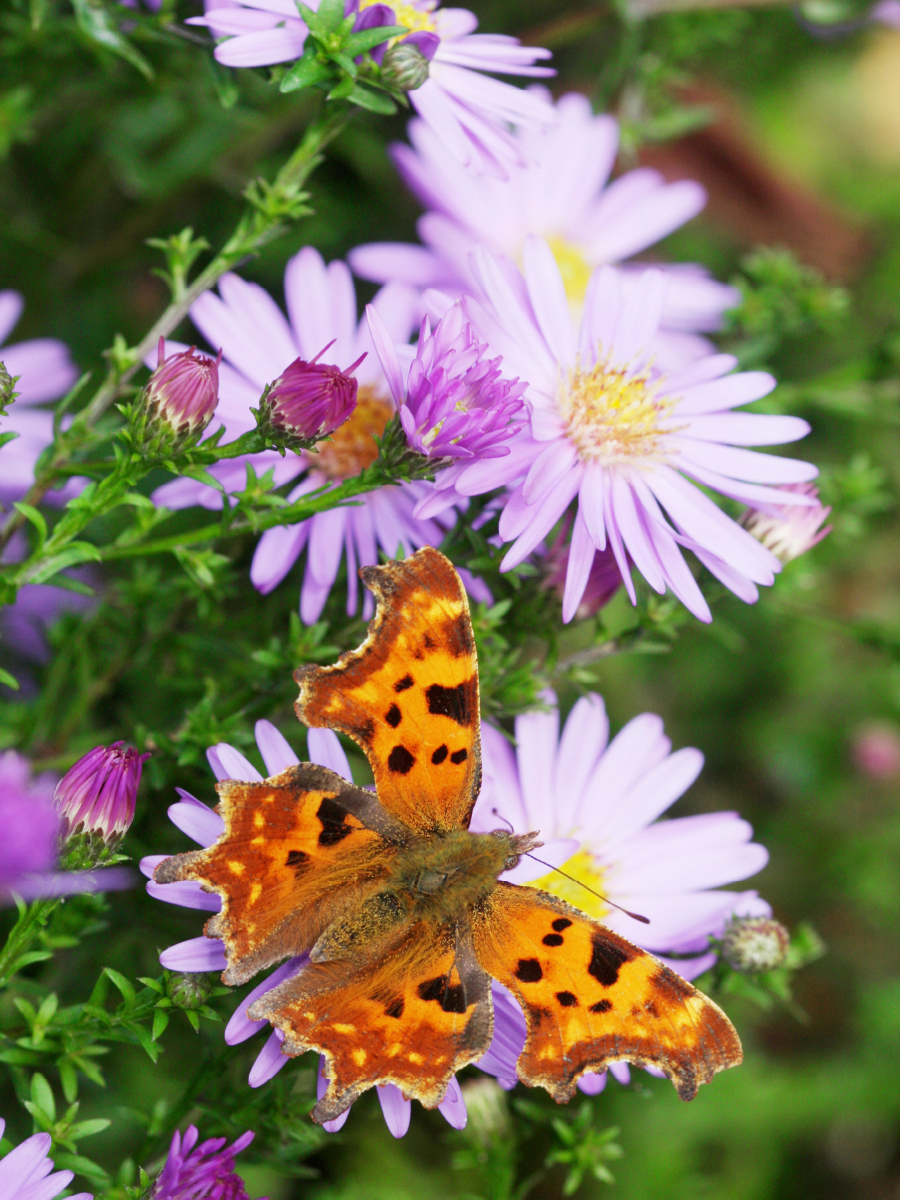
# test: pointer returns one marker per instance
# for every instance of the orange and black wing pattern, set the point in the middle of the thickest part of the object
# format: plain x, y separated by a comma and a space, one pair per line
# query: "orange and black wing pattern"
299, 850
591, 998
411, 1013
409, 695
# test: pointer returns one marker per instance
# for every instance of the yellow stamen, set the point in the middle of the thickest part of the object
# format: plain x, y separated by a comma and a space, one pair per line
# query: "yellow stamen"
613, 414
416, 19
576, 271
583, 867
352, 446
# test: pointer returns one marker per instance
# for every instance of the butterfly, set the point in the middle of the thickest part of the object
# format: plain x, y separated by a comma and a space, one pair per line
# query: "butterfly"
399, 906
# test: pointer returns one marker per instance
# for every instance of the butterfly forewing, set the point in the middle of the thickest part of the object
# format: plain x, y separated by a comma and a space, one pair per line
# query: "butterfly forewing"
591, 998
409, 695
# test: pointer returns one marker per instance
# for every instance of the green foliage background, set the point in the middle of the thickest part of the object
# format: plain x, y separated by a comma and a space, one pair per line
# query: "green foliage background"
99, 158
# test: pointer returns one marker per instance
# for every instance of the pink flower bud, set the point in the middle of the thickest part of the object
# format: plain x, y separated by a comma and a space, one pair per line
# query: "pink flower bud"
789, 530
183, 391
309, 400
97, 794
604, 578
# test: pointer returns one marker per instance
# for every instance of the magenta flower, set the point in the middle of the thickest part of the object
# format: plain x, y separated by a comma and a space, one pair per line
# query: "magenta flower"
183, 391
311, 399
97, 794
786, 530
596, 803
455, 402
611, 429
204, 1173
204, 826
468, 111
258, 344
561, 191
25, 1171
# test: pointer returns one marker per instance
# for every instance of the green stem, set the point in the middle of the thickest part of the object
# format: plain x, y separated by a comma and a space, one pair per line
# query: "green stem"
22, 933
264, 219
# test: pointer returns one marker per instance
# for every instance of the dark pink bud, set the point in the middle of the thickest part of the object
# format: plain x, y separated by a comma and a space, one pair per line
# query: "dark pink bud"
309, 400
97, 794
604, 579
183, 391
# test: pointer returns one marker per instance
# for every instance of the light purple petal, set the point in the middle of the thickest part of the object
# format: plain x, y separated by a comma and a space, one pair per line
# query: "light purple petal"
196, 954
240, 1027
397, 1110
200, 823
269, 1061
453, 1106
237, 766
274, 748
325, 750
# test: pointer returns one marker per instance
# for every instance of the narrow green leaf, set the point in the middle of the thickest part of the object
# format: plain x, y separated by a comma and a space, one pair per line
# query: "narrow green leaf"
97, 24
35, 517
306, 72
68, 1077
74, 553
9, 681
160, 1021
124, 986
7, 437
373, 101
368, 39
85, 1129
330, 14
42, 1095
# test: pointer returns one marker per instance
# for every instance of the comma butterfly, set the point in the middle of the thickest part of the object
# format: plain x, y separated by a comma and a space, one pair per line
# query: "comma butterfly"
400, 907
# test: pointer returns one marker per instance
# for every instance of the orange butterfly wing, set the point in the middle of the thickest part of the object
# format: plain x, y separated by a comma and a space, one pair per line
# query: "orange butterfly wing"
416, 1010
298, 851
409, 695
591, 998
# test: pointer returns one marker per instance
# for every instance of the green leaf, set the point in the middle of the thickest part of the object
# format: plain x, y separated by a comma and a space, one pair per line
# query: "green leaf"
194, 1020
9, 681
330, 14
81, 1166
10, 436
85, 1129
68, 1077
160, 1021
74, 553
124, 985
373, 101
97, 24
42, 1095
368, 39
37, 520
306, 72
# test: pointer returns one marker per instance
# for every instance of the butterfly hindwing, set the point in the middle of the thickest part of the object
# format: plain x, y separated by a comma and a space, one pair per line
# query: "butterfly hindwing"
411, 1013
591, 998
409, 695
298, 851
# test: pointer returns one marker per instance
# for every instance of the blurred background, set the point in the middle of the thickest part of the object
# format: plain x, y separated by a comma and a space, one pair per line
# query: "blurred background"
795, 702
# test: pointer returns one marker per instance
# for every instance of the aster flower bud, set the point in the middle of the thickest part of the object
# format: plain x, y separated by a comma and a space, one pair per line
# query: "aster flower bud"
179, 400
604, 579
190, 990
752, 945
404, 67
789, 530
95, 799
308, 401
488, 1111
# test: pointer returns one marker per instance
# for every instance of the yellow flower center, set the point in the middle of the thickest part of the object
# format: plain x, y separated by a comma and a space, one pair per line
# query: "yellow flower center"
416, 18
576, 271
583, 867
352, 446
613, 414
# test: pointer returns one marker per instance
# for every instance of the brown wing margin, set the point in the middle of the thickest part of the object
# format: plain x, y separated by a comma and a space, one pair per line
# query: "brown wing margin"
409, 694
299, 851
591, 998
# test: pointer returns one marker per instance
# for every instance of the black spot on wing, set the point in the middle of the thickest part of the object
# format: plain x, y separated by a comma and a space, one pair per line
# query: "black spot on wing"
439, 755
459, 756
672, 986
529, 970
428, 642
395, 1008
393, 716
400, 761
561, 923
601, 1006
450, 996
333, 828
453, 702
402, 684
297, 859
552, 939
567, 999
606, 959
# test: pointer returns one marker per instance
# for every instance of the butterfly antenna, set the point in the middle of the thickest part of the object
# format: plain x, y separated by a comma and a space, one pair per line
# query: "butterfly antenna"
503, 819
605, 899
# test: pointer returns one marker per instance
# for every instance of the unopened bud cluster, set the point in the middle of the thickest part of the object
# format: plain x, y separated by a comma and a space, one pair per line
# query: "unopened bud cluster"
178, 402
753, 945
190, 990
96, 799
307, 402
404, 67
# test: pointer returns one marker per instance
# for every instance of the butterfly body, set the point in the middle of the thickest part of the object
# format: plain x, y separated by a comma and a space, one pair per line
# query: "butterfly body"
401, 908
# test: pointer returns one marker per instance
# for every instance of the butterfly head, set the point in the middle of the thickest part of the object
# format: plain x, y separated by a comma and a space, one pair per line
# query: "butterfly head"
517, 844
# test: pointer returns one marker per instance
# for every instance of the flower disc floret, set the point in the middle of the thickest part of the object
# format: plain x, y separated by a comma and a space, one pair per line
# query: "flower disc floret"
613, 414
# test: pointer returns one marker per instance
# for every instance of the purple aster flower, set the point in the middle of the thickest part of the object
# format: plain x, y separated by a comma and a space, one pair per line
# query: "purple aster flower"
612, 429
561, 191
599, 802
204, 1173
786, 530
887, 12
204, 826
310, 399
182, 393
31, 833
468, 111
258, 344
97, 794
455, 402
25, 1171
